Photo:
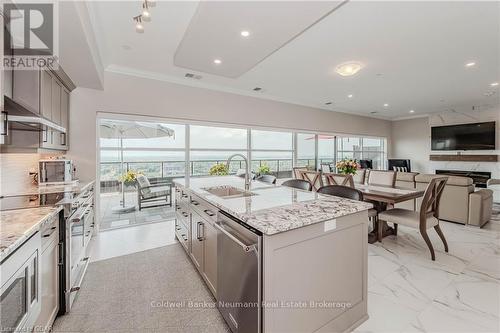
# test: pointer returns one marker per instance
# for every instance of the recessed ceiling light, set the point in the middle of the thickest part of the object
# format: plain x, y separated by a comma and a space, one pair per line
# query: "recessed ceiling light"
494, 84
350, 95
217, 61
470, 64
348, 68
386, 105
245, 33
412, 111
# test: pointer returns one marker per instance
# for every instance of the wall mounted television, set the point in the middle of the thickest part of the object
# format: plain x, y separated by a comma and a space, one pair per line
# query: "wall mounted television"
476, 136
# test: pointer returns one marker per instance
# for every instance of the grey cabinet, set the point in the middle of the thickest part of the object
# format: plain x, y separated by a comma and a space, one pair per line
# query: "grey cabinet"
25, 89
210, 256
46, 94
49, 289
64, 108
197, 245
203, 235
56, 101
42, 92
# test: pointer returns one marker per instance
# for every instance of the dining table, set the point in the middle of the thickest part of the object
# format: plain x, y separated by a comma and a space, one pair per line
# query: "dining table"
388, 196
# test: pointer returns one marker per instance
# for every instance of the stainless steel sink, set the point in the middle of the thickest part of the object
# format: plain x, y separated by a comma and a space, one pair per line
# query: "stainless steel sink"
228, 192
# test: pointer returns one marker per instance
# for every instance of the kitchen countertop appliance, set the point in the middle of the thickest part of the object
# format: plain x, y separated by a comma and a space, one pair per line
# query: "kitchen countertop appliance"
55, 172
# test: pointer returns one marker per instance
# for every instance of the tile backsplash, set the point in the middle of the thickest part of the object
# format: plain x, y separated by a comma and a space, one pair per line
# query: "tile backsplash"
14, 171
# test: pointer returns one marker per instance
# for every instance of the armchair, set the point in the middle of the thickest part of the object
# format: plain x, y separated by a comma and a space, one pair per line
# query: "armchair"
159, 193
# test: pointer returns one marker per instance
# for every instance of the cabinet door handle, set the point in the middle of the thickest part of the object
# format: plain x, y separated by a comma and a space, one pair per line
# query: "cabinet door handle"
198, 227
5, 123
185, 214
194, 202
209, 212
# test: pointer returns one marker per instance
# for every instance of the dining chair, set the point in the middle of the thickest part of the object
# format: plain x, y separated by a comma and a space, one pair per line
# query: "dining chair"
300, 184
338, 179
342, 191
426, 218
326, 167
349, 193
359, 176
270, 179
382, 177
297, 172
315, 178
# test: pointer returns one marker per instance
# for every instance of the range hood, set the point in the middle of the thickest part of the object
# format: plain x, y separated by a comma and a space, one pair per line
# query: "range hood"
19, 118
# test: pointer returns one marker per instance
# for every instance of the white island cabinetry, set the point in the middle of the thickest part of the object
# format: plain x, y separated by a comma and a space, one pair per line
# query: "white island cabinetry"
312, 256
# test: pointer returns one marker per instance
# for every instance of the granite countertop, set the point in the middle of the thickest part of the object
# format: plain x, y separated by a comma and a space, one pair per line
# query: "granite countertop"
77, 187
16, 226
273, 209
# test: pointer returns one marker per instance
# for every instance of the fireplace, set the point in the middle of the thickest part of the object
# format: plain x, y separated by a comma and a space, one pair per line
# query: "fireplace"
478, 177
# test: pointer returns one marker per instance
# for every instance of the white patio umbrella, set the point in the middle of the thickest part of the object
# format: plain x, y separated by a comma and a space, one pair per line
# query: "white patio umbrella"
114, 129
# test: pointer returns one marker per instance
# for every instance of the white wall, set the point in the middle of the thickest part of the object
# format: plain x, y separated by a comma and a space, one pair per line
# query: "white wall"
146, 97
411, 139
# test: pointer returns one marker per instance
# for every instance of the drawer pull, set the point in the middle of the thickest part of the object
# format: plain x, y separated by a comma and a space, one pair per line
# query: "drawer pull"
209, 212
185, 214
194, 202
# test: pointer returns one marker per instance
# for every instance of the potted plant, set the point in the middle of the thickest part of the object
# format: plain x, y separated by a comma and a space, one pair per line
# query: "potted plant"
129, 178
218, 170
347, 166
264, 169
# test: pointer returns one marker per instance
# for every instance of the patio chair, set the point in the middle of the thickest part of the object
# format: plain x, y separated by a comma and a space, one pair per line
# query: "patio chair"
159, 193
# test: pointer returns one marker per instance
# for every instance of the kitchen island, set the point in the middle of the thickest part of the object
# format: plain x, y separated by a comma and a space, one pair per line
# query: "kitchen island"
301, 256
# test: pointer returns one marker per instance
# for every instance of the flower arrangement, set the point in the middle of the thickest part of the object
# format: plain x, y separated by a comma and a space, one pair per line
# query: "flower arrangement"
264, 169
129, 177
218, 170
347, 166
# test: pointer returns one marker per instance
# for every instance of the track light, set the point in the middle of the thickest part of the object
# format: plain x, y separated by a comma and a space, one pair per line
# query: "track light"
146, 14
139, 28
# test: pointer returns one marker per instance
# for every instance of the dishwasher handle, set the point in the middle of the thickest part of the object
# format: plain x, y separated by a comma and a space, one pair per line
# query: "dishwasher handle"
246, 248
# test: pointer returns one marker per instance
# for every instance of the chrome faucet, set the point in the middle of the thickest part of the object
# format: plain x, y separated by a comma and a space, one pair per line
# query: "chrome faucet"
247, 169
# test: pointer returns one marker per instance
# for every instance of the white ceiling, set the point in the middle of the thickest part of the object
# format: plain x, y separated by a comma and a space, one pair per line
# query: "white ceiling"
414, 51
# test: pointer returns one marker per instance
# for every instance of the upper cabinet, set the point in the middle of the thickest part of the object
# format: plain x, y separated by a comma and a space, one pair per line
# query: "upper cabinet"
46, 94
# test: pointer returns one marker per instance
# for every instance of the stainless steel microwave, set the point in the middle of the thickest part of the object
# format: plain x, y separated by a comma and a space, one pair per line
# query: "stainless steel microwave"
55, 172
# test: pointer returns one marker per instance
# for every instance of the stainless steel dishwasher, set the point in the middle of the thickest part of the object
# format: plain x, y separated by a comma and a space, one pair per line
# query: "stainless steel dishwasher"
239, 275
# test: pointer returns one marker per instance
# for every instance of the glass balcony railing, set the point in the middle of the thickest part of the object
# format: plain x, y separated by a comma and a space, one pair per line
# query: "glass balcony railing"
156, 170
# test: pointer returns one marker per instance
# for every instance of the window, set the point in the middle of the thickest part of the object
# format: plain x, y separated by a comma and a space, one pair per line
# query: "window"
326, 150
306, 150
217, 138
363, 148
214, 145
155, 157
274, 149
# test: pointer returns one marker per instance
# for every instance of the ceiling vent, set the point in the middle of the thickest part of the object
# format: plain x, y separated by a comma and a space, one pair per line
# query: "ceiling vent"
193, 76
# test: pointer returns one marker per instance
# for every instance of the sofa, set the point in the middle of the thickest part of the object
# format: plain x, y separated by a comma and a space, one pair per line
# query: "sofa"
460, 202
